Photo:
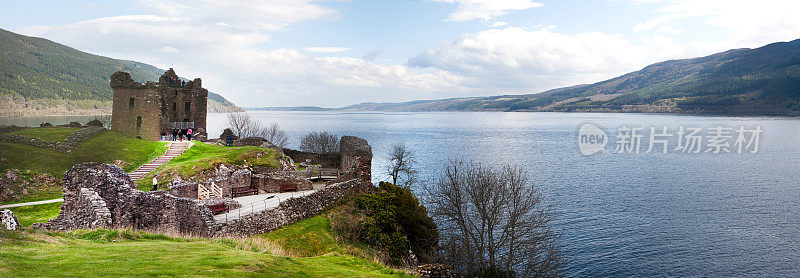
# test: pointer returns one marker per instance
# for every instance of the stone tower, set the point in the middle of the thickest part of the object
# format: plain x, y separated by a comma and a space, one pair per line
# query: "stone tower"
145, 110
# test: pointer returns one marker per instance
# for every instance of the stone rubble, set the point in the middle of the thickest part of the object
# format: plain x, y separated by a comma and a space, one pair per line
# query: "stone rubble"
8, 221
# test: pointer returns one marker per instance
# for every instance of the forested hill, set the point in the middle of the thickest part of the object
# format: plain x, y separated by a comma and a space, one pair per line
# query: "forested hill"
41, 77
760, 81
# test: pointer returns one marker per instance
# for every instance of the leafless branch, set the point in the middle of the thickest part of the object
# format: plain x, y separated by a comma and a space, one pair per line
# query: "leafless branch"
320, 142
492, 219
401, 166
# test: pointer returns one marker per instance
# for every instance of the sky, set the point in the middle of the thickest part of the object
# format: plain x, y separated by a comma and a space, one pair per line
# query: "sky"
338, 53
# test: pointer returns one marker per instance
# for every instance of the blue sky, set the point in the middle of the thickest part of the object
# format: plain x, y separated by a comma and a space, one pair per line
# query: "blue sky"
336, 53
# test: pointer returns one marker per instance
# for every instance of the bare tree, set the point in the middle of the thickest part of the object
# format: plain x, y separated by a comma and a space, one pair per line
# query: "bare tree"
244, 125
241, 123
319, 142
492, 220
275, 135
401, 166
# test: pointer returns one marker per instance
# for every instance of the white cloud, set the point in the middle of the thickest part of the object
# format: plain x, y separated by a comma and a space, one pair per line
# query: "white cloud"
168, 49
746, 23
326, 49
498, 24
486, 9
539, 59
222, 42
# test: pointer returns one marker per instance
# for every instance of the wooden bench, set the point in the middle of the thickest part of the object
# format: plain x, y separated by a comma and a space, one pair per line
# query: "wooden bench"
218, 208
243, 191
288, 187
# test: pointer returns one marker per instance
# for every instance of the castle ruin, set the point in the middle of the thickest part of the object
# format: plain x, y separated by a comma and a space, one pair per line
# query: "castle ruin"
145, 110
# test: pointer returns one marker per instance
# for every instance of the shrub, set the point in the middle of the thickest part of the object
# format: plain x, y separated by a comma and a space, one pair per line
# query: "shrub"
95, 122
392, 221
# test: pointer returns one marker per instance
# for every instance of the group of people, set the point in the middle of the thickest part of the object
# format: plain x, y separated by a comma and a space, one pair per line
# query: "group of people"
177, 135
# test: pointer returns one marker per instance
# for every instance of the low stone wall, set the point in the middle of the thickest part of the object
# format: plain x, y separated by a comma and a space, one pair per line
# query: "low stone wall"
184, 190
293, 210
271, 182
72, 142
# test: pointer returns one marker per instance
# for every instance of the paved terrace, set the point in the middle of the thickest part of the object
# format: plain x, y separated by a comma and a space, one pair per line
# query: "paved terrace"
256, 203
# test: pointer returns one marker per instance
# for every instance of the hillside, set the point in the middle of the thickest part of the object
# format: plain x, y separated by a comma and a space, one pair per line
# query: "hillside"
760, 81
41, 77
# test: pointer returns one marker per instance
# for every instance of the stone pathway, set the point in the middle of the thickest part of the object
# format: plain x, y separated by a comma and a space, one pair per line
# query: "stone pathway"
175, 149
32, 203
256, 203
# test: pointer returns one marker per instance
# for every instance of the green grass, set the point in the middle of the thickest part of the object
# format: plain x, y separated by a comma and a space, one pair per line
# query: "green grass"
104, 147
47, 133
112, 145
202, 157
126, 253
46, 193
310, 237
28, 215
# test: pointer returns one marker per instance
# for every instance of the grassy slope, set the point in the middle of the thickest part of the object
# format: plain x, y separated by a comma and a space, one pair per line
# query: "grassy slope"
125, 253
104, 147
36, 214
202, 157
310, 237
57, 134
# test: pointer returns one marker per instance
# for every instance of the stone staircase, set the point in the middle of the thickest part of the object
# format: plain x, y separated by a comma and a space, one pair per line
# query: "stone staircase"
175, 149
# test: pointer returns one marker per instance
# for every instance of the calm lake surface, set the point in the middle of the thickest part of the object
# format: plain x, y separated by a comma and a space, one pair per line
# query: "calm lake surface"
646, 214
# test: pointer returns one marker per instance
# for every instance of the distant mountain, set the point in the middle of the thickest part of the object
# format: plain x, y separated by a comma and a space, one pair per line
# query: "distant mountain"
41, 77
760, 81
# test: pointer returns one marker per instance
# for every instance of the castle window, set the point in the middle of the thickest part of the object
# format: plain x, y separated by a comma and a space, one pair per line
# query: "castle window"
130, 103
187, 108
174, 106
138, 123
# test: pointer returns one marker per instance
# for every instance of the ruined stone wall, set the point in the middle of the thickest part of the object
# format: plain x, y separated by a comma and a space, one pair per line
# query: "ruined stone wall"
95, 192
356, 159
103, 196
184, 190
293, 210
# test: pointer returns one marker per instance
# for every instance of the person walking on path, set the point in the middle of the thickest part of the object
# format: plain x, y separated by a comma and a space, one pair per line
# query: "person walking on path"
189, 134
155, 184
174, 134
163, 135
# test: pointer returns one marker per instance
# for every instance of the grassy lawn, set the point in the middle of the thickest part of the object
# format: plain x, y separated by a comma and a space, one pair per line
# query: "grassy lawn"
28, 215
125, 253
57, 134
202, 157
104, 147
